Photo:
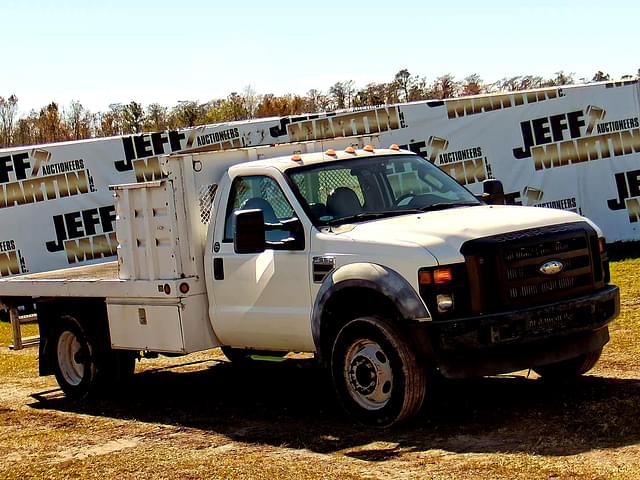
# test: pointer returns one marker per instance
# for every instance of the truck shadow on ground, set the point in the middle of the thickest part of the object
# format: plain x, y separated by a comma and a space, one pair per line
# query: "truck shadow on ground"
292, 404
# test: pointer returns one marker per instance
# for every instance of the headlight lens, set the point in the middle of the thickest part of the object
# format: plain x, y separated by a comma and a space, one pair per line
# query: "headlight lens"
445, 302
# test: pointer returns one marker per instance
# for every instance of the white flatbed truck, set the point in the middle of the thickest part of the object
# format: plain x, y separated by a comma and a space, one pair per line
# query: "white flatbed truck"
373, 259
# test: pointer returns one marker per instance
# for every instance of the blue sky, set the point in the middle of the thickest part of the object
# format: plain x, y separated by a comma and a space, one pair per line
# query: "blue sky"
160, 51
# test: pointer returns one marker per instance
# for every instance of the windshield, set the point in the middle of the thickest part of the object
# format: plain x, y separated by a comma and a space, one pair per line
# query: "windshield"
374, 187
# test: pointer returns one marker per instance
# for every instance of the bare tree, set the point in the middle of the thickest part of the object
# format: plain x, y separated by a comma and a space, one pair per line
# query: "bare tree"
187, 113
111, 122
342, 94
316, 101
445, 86
472, 85
25, 132
51, 126
79, 121
8, 111
156, 118
250, 100
372, 94
403, 81
133, 117
560, 79
600, 76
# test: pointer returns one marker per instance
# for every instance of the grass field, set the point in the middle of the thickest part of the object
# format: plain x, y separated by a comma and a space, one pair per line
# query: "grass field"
199, 417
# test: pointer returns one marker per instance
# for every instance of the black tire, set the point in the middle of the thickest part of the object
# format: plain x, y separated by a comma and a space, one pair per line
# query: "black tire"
376, 374
75, 352
243, 355
85, 364
569, 369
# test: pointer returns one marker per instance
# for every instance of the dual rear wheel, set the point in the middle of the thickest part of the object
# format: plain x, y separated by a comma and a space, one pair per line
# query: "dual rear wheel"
84, 365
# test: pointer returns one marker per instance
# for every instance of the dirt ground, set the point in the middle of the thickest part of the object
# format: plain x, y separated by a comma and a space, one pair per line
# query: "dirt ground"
201, 417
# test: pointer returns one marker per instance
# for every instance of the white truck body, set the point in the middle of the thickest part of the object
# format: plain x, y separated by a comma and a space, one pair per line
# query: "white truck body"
429, 276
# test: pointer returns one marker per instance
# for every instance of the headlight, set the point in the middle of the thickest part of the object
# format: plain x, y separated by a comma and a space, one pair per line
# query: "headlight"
445, 290
445, 302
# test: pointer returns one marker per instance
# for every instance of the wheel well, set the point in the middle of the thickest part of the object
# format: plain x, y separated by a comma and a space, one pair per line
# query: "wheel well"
91, 313
347, 304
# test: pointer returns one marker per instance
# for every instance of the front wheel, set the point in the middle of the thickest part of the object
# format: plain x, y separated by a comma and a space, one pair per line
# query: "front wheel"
376, 374
568, 369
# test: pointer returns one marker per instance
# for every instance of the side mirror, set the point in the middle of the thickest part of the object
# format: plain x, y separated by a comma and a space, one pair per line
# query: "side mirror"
248, 234
493, 192
296, 230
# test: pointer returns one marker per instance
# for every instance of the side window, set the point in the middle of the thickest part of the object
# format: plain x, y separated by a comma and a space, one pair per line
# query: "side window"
262, 193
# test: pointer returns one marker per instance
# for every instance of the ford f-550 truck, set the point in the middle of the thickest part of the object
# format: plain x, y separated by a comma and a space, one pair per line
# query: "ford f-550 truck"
373, 259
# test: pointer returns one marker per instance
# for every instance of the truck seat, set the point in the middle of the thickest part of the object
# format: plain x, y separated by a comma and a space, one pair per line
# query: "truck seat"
343, 202
261, 204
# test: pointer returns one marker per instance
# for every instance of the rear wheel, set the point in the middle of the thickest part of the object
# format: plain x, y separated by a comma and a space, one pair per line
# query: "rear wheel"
571, 368
75, 362
376, 374
83, 366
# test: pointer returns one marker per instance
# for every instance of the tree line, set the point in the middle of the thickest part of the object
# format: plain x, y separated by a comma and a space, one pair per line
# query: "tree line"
53, 123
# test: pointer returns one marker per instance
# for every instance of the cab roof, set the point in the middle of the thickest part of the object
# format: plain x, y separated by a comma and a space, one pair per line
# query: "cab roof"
303, 159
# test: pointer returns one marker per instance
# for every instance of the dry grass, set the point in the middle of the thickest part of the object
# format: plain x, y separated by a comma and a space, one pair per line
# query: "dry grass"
6, 337
199, 417
20, 364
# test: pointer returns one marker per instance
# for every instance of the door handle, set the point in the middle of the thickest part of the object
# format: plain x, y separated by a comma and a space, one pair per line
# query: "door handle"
218, 269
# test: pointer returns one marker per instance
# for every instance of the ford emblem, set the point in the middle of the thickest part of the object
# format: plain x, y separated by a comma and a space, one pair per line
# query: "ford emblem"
551, 267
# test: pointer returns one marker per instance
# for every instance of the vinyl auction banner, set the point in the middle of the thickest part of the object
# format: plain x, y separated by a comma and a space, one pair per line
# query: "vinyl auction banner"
575, 148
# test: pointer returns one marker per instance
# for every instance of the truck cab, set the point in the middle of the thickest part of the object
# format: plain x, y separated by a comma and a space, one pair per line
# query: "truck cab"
348, 253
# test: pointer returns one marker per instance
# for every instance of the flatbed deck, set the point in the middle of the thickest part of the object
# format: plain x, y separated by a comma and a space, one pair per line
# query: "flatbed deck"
99, 272
89, 281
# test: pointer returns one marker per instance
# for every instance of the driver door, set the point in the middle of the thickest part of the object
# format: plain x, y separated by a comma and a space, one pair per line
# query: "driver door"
262, 300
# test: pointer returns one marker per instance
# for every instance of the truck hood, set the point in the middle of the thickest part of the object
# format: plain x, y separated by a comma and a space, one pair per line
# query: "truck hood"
443, 232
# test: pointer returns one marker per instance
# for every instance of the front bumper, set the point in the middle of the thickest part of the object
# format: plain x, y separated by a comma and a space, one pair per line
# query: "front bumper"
513, 340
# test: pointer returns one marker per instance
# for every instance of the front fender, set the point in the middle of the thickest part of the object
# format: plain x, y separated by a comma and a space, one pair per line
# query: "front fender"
376, 277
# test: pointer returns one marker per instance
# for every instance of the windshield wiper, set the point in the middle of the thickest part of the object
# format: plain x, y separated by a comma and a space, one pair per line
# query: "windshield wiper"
362, 216
445, 205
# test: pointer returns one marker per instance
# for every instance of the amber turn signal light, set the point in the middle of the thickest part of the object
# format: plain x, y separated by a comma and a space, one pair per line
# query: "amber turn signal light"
425, 277
442, 275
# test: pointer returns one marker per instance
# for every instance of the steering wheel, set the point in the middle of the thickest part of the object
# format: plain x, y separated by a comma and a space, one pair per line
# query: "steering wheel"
404, 200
